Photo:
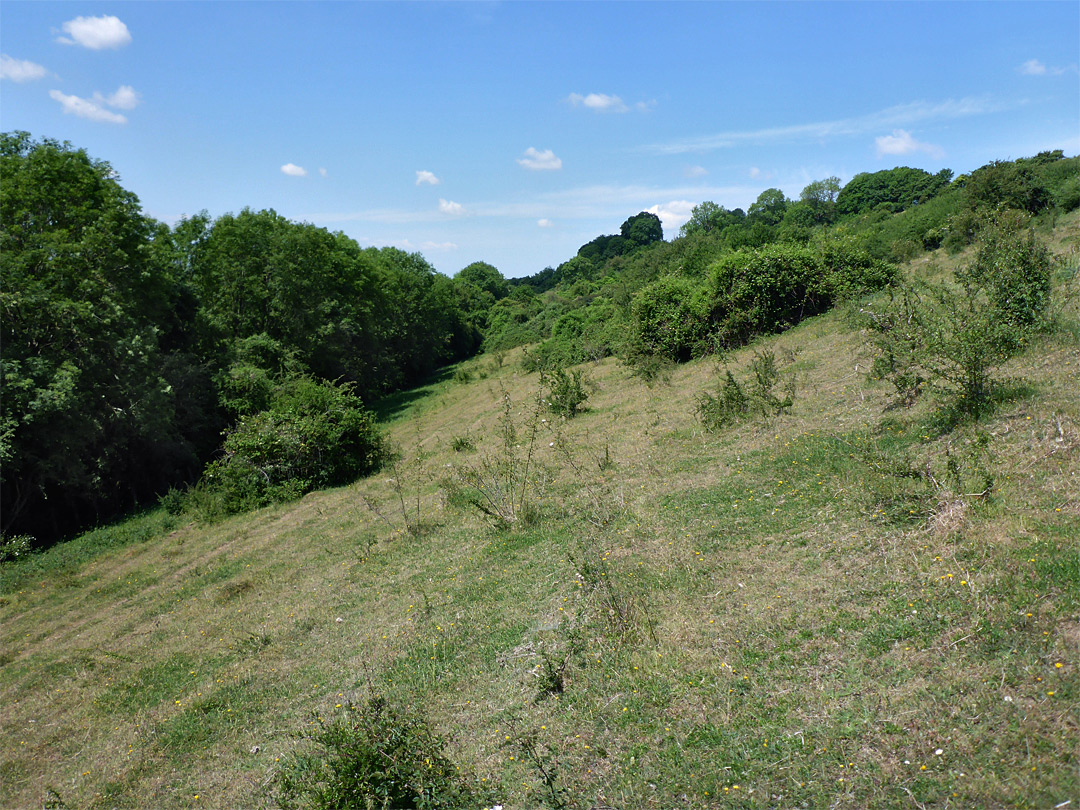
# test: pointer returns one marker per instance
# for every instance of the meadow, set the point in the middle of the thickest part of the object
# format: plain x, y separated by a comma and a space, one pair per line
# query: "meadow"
850, 604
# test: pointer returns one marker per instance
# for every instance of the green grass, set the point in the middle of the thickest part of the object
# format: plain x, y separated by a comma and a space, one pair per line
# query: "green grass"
803, 613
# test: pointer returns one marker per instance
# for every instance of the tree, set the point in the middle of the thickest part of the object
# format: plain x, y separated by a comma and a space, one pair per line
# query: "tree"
769, 207
821, 196
88, 419
642, 229
485, 277
901, 187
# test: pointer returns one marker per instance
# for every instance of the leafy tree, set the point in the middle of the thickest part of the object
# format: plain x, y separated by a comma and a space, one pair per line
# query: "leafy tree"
708, 217
820, 196
642, 229
1007, 185
485, 277
88, 420
902, 187
768, 208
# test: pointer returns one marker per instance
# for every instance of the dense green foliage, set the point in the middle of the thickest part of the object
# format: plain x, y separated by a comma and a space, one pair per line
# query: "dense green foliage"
312, 434
132, 350
128, 347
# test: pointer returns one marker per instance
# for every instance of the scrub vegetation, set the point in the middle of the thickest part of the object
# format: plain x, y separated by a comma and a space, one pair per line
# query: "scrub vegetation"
780, 513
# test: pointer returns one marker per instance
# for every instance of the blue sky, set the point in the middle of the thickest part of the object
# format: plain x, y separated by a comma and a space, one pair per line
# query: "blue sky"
514, 132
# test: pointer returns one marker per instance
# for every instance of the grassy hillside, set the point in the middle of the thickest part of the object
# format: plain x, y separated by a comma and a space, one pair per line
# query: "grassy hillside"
850, 605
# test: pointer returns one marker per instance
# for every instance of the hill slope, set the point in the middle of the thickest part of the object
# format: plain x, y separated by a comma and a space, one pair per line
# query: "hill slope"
808, 611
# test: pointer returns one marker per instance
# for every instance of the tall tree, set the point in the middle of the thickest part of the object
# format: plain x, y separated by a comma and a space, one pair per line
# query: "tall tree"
88, 422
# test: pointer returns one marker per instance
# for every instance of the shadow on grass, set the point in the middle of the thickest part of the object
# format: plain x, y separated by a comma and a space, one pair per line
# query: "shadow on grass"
394, 405
952, 414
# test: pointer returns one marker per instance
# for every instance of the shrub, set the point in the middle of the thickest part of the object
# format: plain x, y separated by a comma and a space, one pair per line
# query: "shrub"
376, 755
775, 287
566, 391
727, 406
670, 319
957, 335
734, 402
315, 434
15, 546
1014, 269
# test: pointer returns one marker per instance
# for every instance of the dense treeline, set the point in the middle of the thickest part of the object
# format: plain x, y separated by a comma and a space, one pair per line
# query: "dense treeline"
129, 347
135, 354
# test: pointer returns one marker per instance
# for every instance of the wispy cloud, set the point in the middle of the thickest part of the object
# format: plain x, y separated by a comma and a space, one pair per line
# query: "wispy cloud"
20, 70
586, 202
1033, 67
691, 172
889, 118
536, 160
426, 178
96, 33
323, 172
901, 142
293, 170
85, 108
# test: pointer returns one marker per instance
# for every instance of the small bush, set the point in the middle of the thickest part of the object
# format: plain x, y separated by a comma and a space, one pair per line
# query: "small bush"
728, 406
734, 402
502, 486
376, 755
462, 444
566, 392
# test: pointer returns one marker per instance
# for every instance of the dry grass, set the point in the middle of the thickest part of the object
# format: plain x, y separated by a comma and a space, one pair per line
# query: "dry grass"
789, 646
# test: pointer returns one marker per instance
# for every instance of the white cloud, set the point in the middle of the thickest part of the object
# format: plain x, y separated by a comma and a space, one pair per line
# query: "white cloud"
438, 246
293, 170
423, 177
540, 161
603, 103
754, 171
323, 172
84, 108
1033, 67
545, 223
449, 207
673, 215
902, 143
125, 98
695, 171
598, 102
20, 70
96, 33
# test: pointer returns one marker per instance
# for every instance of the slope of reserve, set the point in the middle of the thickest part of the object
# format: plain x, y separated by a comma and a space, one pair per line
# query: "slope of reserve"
850, 605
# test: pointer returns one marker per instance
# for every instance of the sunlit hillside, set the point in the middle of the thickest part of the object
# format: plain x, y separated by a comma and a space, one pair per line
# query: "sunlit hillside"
843, 603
